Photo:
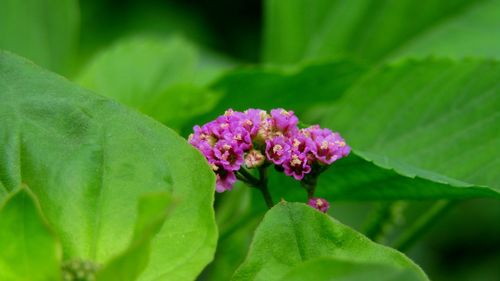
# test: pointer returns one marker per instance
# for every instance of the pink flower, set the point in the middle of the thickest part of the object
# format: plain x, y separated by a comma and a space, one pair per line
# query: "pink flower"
251, 120
327, 146
201, 136
228, 154
300, 143
224, 179
283, 120
254, 159
240, 136
277, 150
319, 204
297, 166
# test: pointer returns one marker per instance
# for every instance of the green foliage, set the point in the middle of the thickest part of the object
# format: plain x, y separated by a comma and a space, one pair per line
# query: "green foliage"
273, 87
379, 30
164, 79
115, 195
28, 248
89, 160
432, 119
371, 180
45, 31
293, 233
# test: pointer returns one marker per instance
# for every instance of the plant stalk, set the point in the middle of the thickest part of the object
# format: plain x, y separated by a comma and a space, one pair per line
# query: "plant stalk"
310, 186
260, 183
263, 186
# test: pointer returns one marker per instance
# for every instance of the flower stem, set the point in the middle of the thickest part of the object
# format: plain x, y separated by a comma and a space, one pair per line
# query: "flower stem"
309, 185
423, 223
263, 186
310, 181
260, 183
248, 177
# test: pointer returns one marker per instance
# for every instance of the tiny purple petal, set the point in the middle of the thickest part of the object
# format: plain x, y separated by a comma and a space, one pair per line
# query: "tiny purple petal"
319, 204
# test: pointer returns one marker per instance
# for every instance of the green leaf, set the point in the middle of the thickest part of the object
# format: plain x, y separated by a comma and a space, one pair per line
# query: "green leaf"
164, 79
294, 233
130, 264
434, 120
359, 178
29, 250
301, 89
89, 160
335, 269
375, 31
45, 31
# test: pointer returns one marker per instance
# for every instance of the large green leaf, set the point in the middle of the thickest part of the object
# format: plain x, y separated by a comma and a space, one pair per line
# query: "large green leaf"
89, 160
130, 264
433, 119
377, 30
45, 31
28, 248
164, 79
327, 269
293, 233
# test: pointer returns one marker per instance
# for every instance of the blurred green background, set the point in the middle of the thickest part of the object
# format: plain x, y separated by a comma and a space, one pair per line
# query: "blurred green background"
170, 51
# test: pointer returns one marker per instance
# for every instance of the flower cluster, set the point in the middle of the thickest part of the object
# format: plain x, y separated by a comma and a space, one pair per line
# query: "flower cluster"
319, 204
254, 138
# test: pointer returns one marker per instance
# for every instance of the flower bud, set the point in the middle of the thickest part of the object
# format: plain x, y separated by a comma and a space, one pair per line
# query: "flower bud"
79, 270
254, 159
319, 204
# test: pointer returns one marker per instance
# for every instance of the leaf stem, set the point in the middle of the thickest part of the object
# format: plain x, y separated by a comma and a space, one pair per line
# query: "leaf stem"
423, 224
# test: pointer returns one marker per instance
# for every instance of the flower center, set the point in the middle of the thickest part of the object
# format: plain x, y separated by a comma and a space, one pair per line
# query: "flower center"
319, 202
340, 143
324, 144
295, 160
277, 148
